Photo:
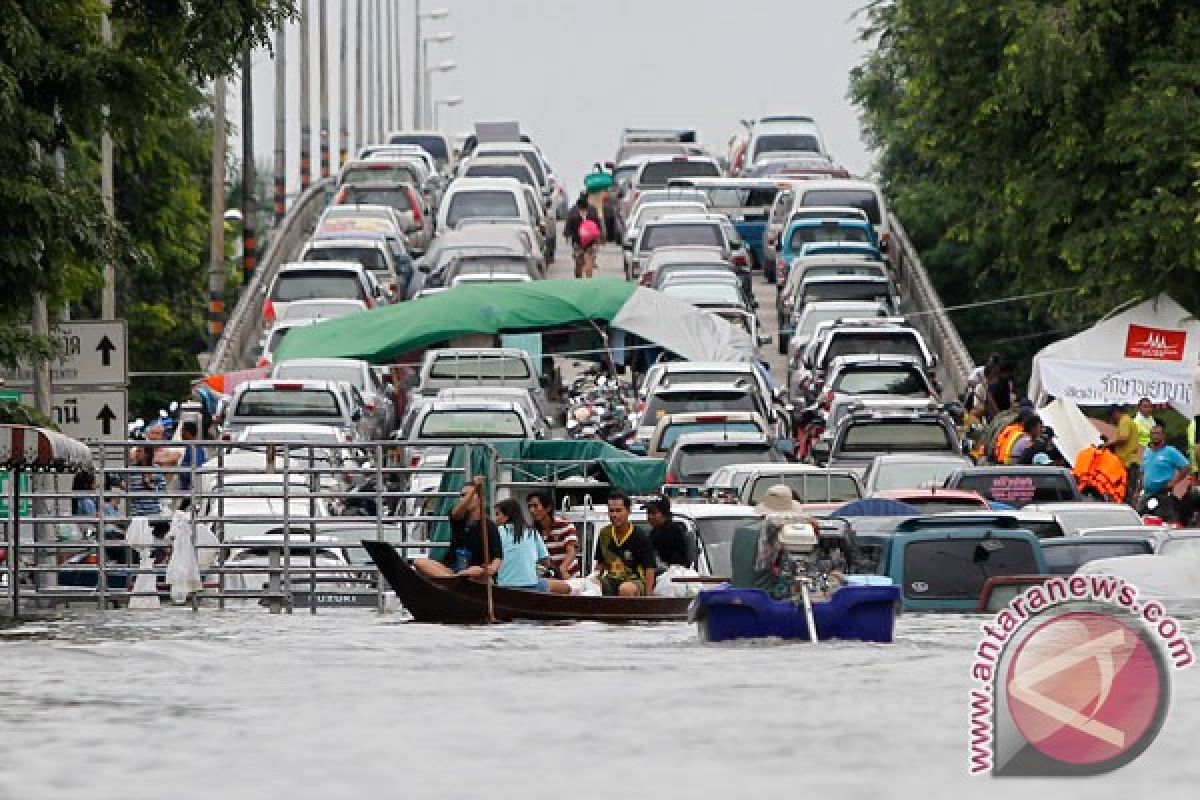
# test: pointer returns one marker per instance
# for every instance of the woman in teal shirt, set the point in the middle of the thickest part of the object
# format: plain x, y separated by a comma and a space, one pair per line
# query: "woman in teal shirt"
523, 551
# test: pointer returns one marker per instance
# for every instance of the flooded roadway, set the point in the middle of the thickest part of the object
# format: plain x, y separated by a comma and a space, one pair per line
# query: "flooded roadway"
174, 705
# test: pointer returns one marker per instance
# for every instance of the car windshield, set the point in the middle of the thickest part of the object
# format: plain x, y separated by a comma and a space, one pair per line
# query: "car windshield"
743, 198
827, 233
528, 155
717, 536
317, 285
465, 424
725, 294
474, 368
658, 173
481, 203
704, 234
271, 402
379, 173
290, 370
902, 343
521, 173
1084, 517
1065, 559
845, 198
663, 403
434, 145
814, 316
834, 270
815, 488
826, 291
674, 431
1017, 489
694, 463
881, 380
377, 196
786, 142
895, 437
912, 474
370, 257
958, 568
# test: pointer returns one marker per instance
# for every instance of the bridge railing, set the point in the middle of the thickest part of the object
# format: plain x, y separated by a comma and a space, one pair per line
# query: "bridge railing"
931, 317
244, 326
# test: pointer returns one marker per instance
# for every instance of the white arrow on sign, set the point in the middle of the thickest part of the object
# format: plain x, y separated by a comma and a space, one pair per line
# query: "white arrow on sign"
93, 354
88, 415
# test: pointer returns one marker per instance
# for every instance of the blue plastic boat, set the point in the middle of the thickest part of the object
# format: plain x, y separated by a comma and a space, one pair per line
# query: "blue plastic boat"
860, 613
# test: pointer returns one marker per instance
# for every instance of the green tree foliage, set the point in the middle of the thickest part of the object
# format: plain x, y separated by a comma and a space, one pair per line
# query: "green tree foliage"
1036, 146
56, 77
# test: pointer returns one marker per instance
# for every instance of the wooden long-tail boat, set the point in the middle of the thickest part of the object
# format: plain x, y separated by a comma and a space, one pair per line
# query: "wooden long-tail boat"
460, 600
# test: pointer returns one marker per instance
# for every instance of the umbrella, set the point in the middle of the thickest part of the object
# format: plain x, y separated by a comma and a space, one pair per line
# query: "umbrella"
382, 334
876, 507
145, 588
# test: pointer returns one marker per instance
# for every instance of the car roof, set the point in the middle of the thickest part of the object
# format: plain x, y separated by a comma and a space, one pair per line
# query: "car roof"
871, 359
687, 254
310, 266
485, 159
305, 384
358, 239
471, 184
466, 404
819, 279
323, 362
512, 352
837, 183
713, 510
700, 388
1083, 505
721, 437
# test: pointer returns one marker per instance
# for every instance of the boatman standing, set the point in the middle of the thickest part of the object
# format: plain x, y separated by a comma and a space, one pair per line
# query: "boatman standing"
624, 555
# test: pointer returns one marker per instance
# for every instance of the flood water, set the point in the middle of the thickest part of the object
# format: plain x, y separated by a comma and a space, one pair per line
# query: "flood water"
176, 704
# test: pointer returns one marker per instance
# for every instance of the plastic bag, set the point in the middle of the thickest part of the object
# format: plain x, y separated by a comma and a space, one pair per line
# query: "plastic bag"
666, 586
145, 586
183, 572
588, 586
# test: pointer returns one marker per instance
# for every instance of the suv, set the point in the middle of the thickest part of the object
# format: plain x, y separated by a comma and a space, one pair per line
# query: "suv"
321, 280
383, 255
862, 435
334, 403
822, 490
695, 456
854, 378
456, 367
1018, 486
672, 426
696, 398
410, 206
681, 231
378, 408
846, 337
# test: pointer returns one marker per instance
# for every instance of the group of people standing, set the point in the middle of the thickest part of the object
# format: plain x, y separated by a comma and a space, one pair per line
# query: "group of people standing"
541, 552
1159, 476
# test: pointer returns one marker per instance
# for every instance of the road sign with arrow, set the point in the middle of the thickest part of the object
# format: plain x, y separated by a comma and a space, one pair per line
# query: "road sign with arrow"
92, 353
88, 414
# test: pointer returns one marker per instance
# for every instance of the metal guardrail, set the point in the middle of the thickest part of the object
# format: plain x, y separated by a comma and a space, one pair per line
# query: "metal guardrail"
244, 326
931, 318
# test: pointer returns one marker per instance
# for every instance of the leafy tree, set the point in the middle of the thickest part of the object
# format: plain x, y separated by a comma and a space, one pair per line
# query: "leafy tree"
1044, 146
56, 76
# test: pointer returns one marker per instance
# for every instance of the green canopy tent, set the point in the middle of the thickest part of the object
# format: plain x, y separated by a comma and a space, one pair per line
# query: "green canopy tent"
383, 334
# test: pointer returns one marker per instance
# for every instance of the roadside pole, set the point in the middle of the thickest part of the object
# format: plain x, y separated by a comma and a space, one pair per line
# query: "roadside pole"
249, 176
108, 297
216, 241
280, 124
323, 82
343, 88
359, 132
305, 110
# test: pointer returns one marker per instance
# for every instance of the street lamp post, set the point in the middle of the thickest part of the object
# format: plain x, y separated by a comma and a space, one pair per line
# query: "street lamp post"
418, 63
449, 102
445, 66
427, 99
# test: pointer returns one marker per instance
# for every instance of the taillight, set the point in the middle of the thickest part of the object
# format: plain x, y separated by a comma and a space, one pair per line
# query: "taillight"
885, 241
414, 461
225, 437
672, 478
263, 361
268, 311
369, 408
740, 260
641, 406
827, 399
367, 302
415, 202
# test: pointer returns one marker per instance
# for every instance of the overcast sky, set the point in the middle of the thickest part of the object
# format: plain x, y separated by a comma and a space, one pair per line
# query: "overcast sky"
574, 72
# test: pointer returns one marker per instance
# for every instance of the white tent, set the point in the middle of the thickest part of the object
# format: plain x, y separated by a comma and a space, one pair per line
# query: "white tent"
1072, 430
1151, 350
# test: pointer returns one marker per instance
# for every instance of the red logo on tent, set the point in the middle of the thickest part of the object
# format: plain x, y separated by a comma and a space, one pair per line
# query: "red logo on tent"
1159, 344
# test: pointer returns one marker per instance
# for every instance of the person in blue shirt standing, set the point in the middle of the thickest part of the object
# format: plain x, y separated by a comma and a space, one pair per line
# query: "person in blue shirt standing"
192, 455
524, 549
1164, 468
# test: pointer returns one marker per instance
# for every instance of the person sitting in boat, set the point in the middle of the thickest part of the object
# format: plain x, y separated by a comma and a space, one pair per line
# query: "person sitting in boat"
669, 537
464, 555
624, 555
523, 551
773, 566
559, 535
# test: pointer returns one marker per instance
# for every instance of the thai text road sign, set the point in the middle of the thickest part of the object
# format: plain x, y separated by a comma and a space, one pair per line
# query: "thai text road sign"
92, 353
88, 414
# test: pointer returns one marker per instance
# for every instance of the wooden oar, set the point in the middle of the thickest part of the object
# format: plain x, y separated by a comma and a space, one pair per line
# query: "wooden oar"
487, 558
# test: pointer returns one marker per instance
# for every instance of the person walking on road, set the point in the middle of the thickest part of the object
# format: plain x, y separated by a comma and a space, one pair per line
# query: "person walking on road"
582, 230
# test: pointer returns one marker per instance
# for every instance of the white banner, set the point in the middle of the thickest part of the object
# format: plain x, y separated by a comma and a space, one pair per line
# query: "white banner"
1100, 384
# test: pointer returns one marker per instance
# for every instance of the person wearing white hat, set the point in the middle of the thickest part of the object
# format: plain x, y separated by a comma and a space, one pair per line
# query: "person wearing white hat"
779, 500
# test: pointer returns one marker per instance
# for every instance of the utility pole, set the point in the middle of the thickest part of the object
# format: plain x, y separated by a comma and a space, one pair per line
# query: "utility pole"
417, 65
391, 55
323, 79
379, 67
372, 102
280, 124
108, 298
249, 178
216, 241
359, 132
305, 108
398, 73
343, 99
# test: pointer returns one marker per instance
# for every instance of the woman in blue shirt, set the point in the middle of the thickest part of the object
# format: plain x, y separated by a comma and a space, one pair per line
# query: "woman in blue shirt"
523, 551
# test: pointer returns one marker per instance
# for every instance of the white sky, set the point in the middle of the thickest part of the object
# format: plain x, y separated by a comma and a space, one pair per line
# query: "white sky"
574, 72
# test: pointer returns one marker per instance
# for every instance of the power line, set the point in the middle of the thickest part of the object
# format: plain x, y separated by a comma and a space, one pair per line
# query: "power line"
998, 301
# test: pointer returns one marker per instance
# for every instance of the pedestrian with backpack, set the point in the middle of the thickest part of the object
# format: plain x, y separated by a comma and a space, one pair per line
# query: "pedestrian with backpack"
582, 230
